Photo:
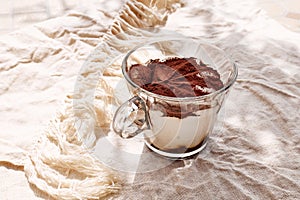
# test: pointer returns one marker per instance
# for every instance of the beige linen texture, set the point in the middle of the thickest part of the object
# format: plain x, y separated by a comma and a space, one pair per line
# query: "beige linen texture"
254, 152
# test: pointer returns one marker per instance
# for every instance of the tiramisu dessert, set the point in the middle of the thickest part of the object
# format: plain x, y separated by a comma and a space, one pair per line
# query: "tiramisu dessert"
180, 124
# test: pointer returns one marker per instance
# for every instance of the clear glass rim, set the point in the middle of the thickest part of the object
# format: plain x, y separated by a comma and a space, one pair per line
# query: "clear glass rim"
231, 81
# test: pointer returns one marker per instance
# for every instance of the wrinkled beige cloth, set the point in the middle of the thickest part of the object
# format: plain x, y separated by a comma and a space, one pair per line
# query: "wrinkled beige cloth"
39, 66
254, 153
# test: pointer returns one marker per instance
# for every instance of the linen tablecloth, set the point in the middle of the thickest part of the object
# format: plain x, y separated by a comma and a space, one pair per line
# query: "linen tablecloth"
253, 153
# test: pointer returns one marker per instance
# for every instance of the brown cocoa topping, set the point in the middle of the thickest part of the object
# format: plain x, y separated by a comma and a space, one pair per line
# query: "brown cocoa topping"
176, 77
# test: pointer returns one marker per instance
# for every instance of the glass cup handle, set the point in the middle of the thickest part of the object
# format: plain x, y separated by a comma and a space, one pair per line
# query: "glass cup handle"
131, 118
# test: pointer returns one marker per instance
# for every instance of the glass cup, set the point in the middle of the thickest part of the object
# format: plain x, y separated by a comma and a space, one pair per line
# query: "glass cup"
174, 127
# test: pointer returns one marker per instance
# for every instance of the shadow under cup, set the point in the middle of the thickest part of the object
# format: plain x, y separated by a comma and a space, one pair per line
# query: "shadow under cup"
173, 126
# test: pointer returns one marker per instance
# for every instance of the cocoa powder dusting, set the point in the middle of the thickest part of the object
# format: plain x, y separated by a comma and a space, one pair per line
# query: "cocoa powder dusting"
176, 77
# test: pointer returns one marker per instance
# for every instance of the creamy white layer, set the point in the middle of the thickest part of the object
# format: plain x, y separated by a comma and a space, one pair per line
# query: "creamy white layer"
170, 133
